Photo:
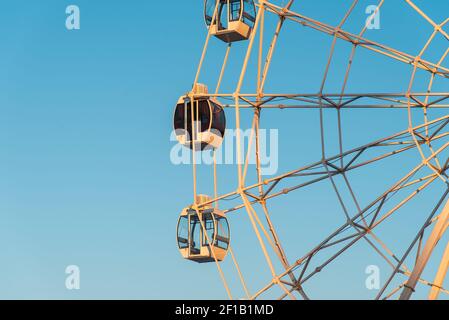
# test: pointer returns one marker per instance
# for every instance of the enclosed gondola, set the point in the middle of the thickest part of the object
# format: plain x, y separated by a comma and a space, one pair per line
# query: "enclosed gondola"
203, 236
207, 129
234, 20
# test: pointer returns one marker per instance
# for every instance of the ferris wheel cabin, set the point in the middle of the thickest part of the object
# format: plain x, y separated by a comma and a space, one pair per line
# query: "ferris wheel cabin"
234, 20
203, 237
208, 127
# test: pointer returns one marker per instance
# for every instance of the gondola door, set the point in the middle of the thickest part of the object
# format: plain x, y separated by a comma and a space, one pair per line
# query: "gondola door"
195, 235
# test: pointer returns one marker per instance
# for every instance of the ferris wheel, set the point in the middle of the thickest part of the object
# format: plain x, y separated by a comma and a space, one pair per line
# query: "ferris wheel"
200, 120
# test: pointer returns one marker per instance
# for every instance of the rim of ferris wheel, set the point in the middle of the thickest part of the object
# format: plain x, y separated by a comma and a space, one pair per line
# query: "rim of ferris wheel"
196, 228
209, 123
235, 19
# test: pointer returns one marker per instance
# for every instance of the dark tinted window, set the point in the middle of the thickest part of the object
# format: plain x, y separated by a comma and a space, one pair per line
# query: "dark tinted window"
201, 113
218, 119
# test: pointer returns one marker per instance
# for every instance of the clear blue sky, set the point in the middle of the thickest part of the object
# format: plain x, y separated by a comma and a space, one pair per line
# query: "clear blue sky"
85, 121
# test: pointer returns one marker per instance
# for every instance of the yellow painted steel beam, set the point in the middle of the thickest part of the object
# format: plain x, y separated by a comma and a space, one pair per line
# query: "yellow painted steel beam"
424, 257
